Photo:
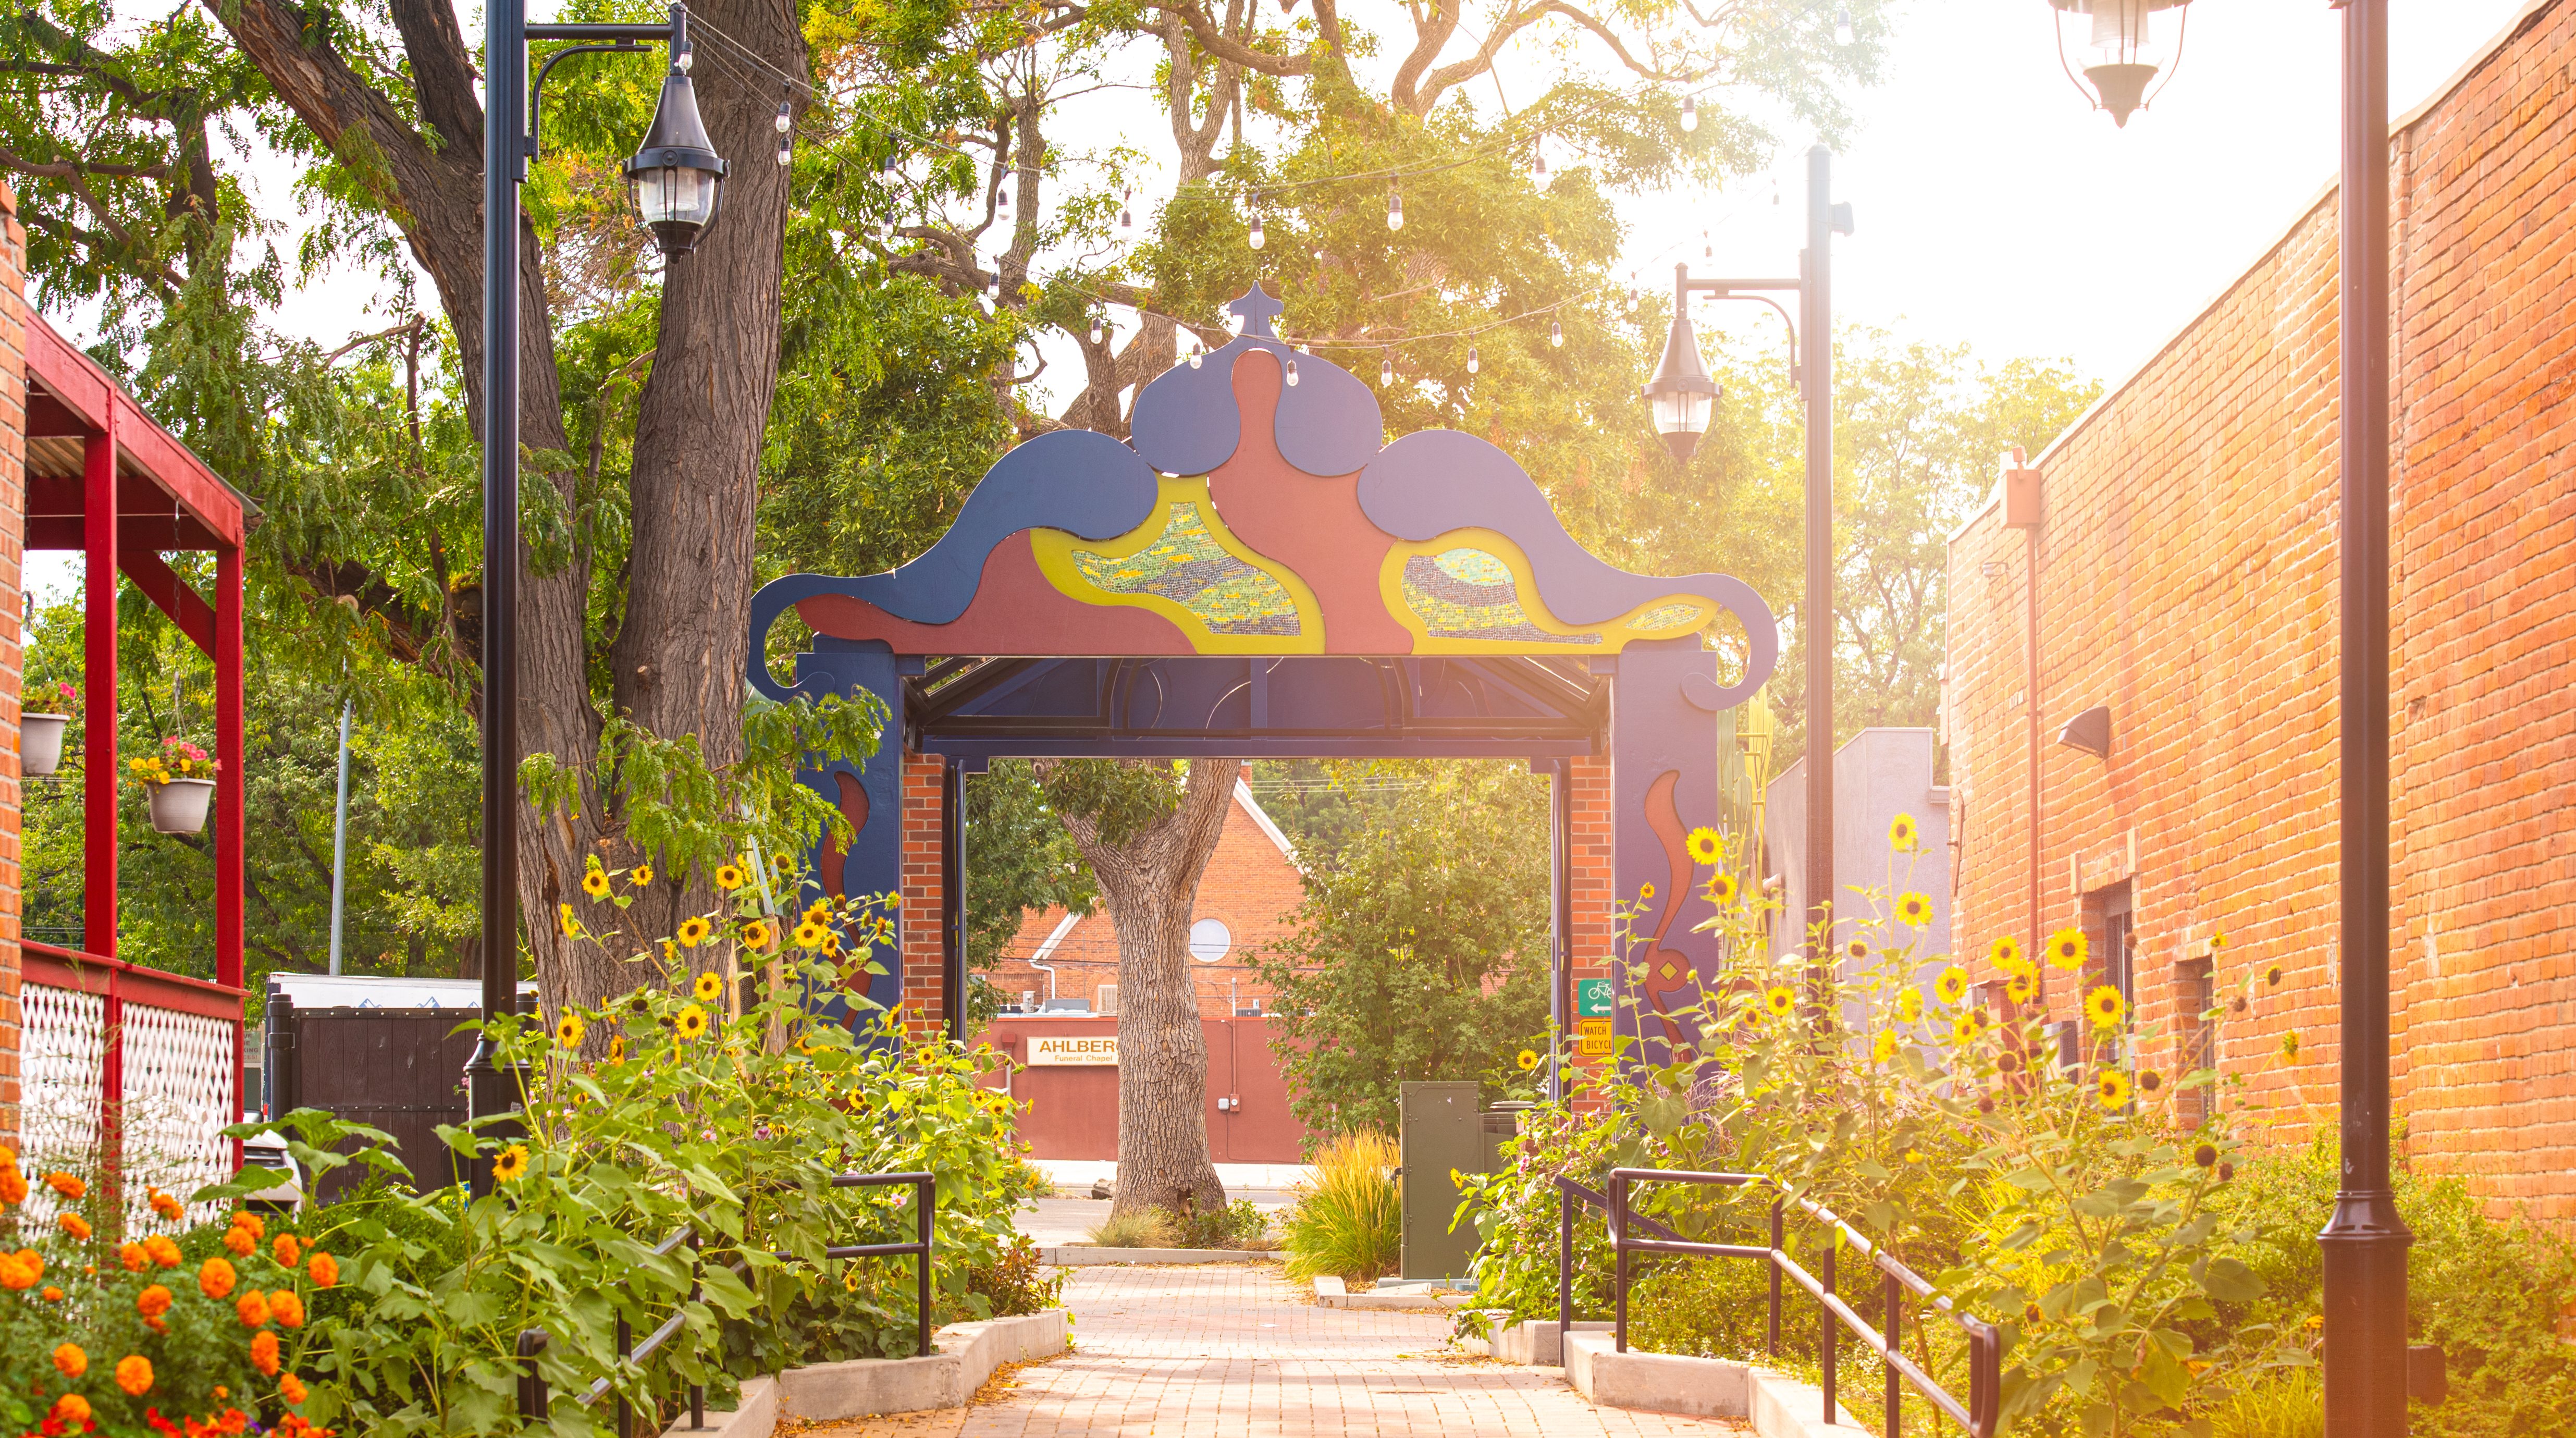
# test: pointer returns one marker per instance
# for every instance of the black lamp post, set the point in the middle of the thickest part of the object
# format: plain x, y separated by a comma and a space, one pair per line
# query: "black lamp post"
677, 180
2364, 1241
1683, 396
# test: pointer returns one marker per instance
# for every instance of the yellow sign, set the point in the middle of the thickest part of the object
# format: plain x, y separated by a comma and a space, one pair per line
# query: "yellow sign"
1592, 1028
1072, 1050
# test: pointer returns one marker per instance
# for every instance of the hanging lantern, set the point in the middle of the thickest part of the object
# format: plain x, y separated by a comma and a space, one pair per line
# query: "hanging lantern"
1681, 394
2123, 55
677, 179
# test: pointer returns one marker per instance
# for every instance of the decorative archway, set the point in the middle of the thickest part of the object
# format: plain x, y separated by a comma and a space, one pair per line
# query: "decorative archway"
1259, 574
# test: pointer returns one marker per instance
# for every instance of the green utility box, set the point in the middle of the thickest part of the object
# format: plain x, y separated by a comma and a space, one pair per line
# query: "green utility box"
1443, 1133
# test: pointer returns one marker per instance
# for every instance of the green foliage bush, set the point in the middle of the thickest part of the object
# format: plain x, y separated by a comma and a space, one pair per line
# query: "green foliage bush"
1349, 1223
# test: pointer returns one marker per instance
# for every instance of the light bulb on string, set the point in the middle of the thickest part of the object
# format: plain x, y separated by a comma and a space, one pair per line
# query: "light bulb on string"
1690, 114
1255, 238
1127, 210
1292, 371
1555, 335
1198, 351
786, 152
1475, 361
1385, 373
1843, 27
1538, 159
1707, 248
1097, 329
1394, 208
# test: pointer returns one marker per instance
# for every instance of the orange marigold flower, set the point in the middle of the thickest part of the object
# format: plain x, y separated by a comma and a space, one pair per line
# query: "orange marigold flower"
13, 1184
153, 1302
215, 1278
285, 1249
287, 1308
263, 1352
19, 1271
71, 1360
134, 1374
252, 1309
68, 1185
162, 1250
324, 1268
53, 1294
167, 1206
292, 1388
71, 1410
133, 1257
73, 1224
257, 1225
240, 1241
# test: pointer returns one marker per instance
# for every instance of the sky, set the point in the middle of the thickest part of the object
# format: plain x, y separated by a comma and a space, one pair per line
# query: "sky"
1993, 206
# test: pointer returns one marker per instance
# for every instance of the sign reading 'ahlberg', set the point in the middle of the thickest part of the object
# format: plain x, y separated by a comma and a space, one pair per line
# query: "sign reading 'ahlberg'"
1063, 1050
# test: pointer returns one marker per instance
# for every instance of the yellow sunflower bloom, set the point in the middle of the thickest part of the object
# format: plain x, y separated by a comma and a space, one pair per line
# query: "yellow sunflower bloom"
2006, 952
819, 910
571, 925
730, 877
2066, 948
1969, 1024
694, 931
1645, 891
2021, 987
1883, 1048
691, 1023
810, 935
2105, 1006
511, 1164
1901, 834
640, 875
1909, 1005
1914, 910
782, 865
1721, 888
709, 985
1706, 845
1857, 948
568, 1031
617, 1049
1528, 1060
758, 934
594, 883
1781, 1001
2112, 1087
1952, 985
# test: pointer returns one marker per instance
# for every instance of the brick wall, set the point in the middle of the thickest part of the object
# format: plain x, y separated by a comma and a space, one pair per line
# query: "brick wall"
1589, 879
13, 549
2186, 569
925, 1016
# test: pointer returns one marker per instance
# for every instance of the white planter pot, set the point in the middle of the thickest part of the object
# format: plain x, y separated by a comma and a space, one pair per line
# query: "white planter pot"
179, 807
40, 743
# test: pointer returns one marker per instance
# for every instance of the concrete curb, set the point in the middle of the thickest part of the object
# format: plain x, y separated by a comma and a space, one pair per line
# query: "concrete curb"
967, 1354
1084, 1255
1332, 1292
1777, 1407
1533, 1342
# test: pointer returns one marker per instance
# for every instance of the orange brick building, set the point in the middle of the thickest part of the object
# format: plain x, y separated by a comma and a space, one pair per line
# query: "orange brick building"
13, 554
2184, 553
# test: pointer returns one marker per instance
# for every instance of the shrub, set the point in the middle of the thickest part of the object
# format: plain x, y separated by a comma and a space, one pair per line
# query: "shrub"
1350, 1222
1138, 1228
1016, 1282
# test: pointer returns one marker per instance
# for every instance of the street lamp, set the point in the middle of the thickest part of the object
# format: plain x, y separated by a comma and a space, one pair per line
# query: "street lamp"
2364, 1242
2125, 56
677, 180
1682, 396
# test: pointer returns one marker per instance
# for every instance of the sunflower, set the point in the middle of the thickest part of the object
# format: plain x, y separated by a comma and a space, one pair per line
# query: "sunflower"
2273, 975
1883, 1048
1952, 986
758, 934
571, 925
1645, 891
691, 1023
512, 1163
1721, 888
730, 877
819, 910
2150, 1081
1780, 1001
1969, 1024
640, 875
594, 882
617, 1049
2105, 1006
1857, 948
1909, 1005
694, 931
2022, 986
1901, 834
2206, 1155
1914, 910
2290, 1046
1706, 845
568, 1031
2112, 1087
1528, 1060
708, 986
2006, 952
2066, 948
810, 935
781, 865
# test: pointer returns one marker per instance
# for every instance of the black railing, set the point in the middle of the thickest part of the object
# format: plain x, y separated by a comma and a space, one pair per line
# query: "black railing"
535, 1404
1985, 1344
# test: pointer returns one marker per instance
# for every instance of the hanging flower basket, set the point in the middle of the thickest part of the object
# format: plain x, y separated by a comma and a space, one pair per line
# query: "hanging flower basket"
40, 743
179, 783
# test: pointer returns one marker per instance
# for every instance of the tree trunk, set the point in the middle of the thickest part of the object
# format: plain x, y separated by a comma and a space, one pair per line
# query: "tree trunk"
1149, 883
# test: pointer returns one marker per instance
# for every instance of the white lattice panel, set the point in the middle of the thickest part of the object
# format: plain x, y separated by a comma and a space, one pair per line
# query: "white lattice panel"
63, 1046
178, 1100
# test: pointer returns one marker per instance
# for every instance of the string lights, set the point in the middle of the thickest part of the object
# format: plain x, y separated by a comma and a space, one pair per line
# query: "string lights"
1394, 208
786, 151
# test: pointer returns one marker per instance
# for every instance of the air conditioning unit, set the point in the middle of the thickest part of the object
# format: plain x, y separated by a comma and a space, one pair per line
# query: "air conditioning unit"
1106, 999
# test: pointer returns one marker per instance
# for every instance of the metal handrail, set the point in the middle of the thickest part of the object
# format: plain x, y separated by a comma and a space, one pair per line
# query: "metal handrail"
535, 1403
1979, 1415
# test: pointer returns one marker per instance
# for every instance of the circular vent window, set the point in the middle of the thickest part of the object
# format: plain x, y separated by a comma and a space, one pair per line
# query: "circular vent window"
1210, 940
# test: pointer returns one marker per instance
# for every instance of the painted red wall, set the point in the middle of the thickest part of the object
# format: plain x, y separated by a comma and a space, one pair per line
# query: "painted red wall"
1072, 1113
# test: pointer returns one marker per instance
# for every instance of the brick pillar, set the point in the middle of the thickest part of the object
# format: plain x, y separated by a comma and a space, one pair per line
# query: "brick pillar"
13, 552
1589, 880
918, 947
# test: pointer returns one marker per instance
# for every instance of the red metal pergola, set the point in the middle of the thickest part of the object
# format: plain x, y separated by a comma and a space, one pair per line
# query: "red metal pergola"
103, 479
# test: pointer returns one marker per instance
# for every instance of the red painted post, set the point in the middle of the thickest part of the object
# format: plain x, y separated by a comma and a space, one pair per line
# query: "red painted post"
230, 789
99, 762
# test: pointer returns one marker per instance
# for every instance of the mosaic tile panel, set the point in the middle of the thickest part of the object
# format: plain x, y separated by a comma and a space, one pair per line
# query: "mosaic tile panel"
1677, 615
1187, 566
1469, 594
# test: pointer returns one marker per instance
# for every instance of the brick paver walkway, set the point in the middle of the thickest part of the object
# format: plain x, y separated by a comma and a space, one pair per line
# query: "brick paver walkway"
1231, 1351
